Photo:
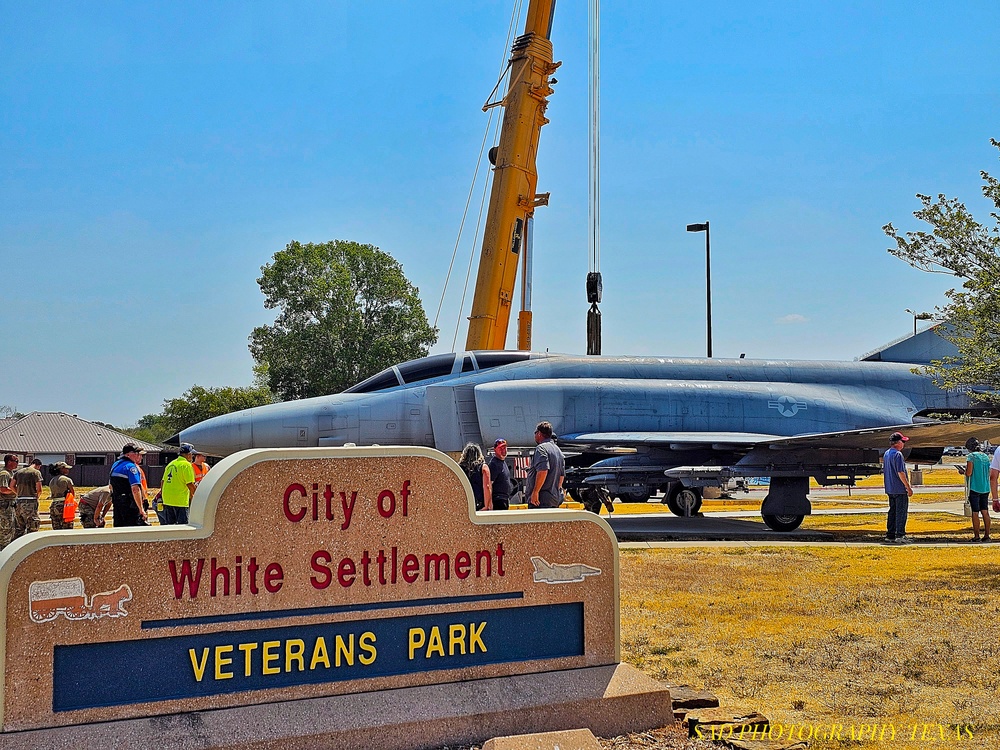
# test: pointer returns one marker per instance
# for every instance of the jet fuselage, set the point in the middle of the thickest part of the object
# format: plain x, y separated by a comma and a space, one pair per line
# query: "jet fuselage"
588, 395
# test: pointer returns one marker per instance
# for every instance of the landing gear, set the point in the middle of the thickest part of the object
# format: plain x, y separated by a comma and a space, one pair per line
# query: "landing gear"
635, 496
593, 498
683, 501
783, 523
786, 503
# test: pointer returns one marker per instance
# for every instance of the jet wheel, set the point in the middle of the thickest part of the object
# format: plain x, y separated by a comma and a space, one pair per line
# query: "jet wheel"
639, 496
783, 523
684, 501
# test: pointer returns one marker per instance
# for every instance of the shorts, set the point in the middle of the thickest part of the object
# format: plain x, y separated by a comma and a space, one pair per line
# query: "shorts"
980, 502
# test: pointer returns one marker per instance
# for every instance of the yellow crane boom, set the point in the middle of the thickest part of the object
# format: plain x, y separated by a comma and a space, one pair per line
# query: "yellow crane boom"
507, 238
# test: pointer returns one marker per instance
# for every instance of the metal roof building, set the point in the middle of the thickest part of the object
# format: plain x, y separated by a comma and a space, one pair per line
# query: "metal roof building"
89, 447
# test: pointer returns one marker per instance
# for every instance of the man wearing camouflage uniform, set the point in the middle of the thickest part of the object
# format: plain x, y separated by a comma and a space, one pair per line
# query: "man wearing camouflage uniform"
28, 483
60, 487
93, 506
8, 499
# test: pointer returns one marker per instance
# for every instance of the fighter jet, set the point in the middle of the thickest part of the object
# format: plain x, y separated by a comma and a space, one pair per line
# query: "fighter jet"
633, 425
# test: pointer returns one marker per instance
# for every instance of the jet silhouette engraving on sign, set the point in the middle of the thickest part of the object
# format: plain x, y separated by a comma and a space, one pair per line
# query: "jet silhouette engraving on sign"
546, 572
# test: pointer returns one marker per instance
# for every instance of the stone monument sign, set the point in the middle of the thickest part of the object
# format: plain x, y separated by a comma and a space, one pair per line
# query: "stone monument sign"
304, 573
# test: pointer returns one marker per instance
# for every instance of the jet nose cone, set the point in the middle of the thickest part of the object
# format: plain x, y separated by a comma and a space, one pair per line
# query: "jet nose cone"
220, 436
174, 440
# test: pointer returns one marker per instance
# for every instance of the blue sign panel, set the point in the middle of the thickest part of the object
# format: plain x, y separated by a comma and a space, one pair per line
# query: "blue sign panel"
230, 661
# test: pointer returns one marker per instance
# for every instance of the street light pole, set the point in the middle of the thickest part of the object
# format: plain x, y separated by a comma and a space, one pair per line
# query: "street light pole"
918, 316
708, 279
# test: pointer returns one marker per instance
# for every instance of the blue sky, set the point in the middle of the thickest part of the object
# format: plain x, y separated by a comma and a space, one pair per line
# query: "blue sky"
154, 156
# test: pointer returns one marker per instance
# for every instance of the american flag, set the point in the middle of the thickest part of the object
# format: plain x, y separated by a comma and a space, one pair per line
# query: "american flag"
521, 464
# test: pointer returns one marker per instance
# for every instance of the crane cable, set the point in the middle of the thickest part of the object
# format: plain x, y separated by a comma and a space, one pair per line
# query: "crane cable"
472, 255
595, 286
595, 136
465, 213
504, 68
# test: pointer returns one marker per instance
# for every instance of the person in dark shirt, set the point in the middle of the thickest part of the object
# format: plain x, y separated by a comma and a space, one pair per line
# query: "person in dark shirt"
500, 476
475, 468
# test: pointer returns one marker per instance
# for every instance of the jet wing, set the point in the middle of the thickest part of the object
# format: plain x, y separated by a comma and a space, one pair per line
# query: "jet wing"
921, 434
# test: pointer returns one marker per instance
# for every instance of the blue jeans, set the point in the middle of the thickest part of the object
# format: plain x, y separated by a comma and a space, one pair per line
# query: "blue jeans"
895, 522
175, 514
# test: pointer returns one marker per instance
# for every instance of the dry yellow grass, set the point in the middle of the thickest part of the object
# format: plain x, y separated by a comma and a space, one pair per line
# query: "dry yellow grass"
939, 475
827, 637
751, 504
944, 495
856, 500
930, 528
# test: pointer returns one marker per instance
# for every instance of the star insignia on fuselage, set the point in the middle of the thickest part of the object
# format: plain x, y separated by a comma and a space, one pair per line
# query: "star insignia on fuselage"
786, 406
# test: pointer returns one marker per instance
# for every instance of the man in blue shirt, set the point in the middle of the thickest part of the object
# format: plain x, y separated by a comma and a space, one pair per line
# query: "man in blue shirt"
126, 489
897, 487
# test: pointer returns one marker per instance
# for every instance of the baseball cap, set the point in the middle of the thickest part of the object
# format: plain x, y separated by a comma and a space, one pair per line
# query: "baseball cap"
897, 437
129, 448
187, 448
499, 441
61, 465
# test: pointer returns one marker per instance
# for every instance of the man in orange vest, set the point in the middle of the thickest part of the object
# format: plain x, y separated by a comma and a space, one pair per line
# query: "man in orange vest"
200, 467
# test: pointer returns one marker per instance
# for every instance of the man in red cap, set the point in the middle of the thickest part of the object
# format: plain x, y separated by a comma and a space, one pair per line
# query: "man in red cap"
500, 476
897, 487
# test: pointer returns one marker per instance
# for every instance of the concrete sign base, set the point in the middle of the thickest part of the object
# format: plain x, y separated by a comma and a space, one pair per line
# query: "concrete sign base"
609, 700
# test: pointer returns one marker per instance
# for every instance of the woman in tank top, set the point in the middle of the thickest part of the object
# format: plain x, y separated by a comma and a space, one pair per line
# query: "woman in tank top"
475, 468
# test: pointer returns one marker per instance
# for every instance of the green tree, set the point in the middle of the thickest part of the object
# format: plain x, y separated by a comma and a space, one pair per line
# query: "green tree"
962, 247
195, 405
346, 311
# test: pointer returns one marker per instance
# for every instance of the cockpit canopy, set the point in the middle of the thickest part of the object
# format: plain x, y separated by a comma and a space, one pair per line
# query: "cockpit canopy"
436, 366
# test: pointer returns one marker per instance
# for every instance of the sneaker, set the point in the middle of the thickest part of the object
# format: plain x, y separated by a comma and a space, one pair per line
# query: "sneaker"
986, 539
889, 540
904, 540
